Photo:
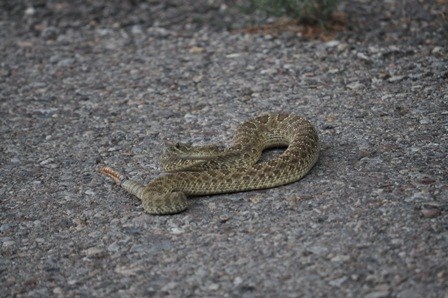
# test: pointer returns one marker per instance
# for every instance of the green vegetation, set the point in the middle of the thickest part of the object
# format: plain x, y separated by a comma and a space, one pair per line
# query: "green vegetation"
308, 11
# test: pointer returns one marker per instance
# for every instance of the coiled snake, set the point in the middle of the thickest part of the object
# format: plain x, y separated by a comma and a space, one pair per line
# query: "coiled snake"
210, 169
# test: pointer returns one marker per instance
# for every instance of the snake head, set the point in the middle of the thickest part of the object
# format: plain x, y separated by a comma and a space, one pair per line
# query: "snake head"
177, 148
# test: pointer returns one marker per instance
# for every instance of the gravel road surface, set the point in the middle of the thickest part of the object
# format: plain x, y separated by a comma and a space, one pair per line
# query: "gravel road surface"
91, 83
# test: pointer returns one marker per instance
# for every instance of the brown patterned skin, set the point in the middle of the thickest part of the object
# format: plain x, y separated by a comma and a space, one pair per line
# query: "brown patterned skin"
209, 169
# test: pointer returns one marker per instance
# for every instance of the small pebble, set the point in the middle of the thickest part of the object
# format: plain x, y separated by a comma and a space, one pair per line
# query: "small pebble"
430, 212
355, 86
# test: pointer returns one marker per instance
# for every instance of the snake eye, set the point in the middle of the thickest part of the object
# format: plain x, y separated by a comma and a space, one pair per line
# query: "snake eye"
182, 146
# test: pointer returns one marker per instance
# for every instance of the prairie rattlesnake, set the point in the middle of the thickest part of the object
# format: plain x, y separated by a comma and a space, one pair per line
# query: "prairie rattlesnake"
212, 170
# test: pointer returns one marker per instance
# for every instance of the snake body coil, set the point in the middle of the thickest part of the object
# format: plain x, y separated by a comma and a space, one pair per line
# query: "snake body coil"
209, 169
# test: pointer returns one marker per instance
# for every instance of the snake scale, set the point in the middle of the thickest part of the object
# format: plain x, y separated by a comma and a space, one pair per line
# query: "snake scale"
205, 170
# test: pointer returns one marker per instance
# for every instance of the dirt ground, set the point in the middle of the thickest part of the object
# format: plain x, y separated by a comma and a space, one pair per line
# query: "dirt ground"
91, 83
